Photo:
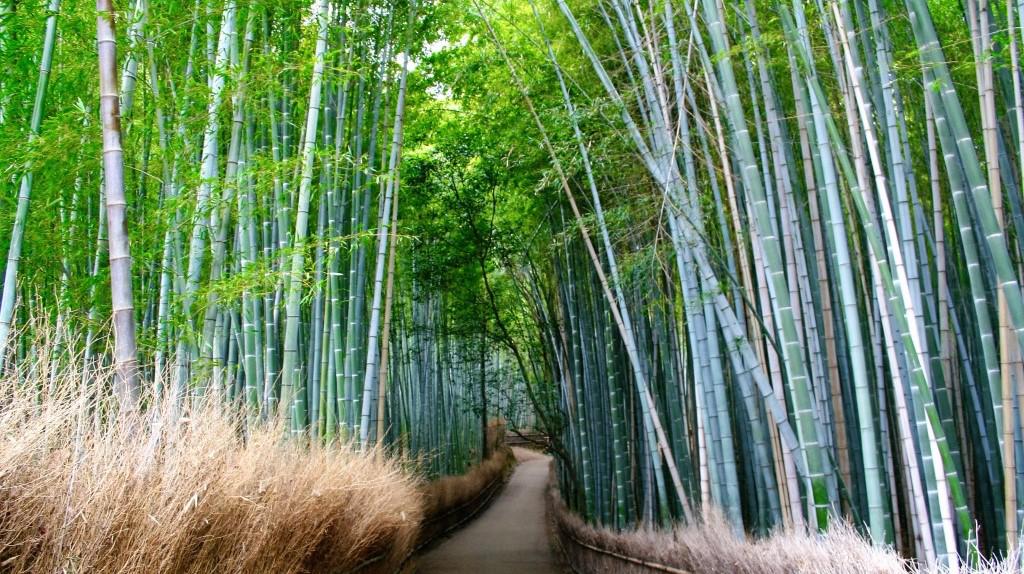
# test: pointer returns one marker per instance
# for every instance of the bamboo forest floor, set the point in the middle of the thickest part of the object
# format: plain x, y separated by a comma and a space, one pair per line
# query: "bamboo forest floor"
510, 537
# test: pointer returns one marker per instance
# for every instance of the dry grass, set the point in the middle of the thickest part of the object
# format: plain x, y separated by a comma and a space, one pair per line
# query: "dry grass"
1013, 564
450, 492
712, 548
79, 493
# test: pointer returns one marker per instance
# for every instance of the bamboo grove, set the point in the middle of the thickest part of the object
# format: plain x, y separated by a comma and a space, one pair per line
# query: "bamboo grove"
782, 277
252, 149
761, 257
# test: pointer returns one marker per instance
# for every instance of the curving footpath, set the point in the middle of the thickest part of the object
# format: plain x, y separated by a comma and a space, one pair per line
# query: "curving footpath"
510, 537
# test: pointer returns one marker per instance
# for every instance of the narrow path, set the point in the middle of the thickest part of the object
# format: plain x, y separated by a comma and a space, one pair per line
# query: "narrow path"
510, 537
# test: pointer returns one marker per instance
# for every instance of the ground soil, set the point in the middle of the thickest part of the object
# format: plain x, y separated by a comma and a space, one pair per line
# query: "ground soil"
510, 537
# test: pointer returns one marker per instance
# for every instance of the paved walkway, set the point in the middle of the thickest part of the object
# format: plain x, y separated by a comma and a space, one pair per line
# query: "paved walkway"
510, 537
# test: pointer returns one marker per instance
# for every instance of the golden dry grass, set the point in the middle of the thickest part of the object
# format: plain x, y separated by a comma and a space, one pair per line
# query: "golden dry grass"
80, 493
449, 492
1012, 564
711, 548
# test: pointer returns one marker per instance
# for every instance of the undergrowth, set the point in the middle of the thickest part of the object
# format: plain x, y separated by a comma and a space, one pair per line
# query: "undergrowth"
186, 490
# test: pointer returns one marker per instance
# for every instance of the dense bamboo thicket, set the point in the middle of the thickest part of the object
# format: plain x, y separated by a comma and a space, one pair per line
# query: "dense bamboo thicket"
761, 257
253, 150
206, 229
780, 269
